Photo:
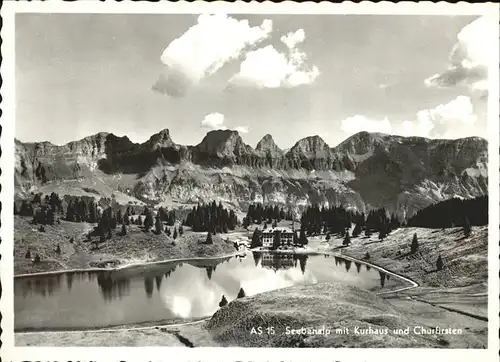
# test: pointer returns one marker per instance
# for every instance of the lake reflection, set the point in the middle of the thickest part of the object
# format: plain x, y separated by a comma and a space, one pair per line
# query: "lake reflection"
171, 291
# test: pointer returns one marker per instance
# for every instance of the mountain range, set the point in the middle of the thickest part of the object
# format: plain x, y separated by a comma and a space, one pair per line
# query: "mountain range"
367, 170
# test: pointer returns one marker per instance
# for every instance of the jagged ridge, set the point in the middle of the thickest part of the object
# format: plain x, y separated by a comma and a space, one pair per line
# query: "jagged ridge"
366, 170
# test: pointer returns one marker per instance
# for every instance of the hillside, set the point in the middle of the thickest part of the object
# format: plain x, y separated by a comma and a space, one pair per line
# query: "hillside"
368, 170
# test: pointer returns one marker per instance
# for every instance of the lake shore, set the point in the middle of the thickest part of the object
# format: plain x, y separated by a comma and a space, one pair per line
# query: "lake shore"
137, 248
437, 300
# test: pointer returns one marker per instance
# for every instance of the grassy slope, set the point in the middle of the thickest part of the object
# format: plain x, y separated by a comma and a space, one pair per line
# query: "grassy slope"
461, 285
136, 246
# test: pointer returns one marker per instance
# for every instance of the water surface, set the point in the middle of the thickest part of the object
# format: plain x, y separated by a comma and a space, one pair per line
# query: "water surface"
172, 291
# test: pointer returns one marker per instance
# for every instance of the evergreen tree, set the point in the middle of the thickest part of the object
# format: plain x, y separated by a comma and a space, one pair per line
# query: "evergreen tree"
256, 239
175, 233
414, 244
167, 231
28, 254
467, 228
241, 293
109, 236
357, 230
157, 226
347, 239
367, 256
148, 221
209, 238
119, 217
126, 219
439, 263
302, 238
37, 259
276, 240
327, 238
124, 230
181, 230
223, 301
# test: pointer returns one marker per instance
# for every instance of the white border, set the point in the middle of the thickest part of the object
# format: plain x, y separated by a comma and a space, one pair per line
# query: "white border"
9, 352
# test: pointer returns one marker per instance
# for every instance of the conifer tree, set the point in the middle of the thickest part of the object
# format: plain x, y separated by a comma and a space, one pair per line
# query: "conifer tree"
467, 228
357, 230
157, 225
439, 263
148, 221
175, 233
181, 230
223, 301
124, 230
241, 293
327, 238
37, 259
209, 238
167, 231
28, 254
58, 249
347, 239
276, 240
256, 239
302, 238
414, 244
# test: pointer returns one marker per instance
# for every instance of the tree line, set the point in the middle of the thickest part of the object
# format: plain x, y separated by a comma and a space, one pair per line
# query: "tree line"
257, 213
454, 212
212, 218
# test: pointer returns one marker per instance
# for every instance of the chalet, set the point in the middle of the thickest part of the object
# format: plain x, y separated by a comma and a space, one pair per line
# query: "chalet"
286, 237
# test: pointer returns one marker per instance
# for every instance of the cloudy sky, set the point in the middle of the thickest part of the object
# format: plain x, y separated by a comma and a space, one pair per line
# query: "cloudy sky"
288, 75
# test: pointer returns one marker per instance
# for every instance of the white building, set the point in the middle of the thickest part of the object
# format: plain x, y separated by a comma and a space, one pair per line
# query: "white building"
286, 237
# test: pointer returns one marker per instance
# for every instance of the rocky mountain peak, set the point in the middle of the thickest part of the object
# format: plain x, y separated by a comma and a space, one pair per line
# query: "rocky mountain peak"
223, 143
161, 139
363, 142
267, 144
311, 144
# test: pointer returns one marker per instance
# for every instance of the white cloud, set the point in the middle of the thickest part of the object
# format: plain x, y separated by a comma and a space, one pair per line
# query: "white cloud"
292, 39
216, 121
471, 57
204, 48
269, 68
449, 120
241, 129
358, 123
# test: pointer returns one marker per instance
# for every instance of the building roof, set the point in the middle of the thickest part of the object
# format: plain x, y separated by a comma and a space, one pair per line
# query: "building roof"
282, 229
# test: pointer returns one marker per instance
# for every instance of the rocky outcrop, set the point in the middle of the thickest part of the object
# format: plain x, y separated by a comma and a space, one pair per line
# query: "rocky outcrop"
366, 170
